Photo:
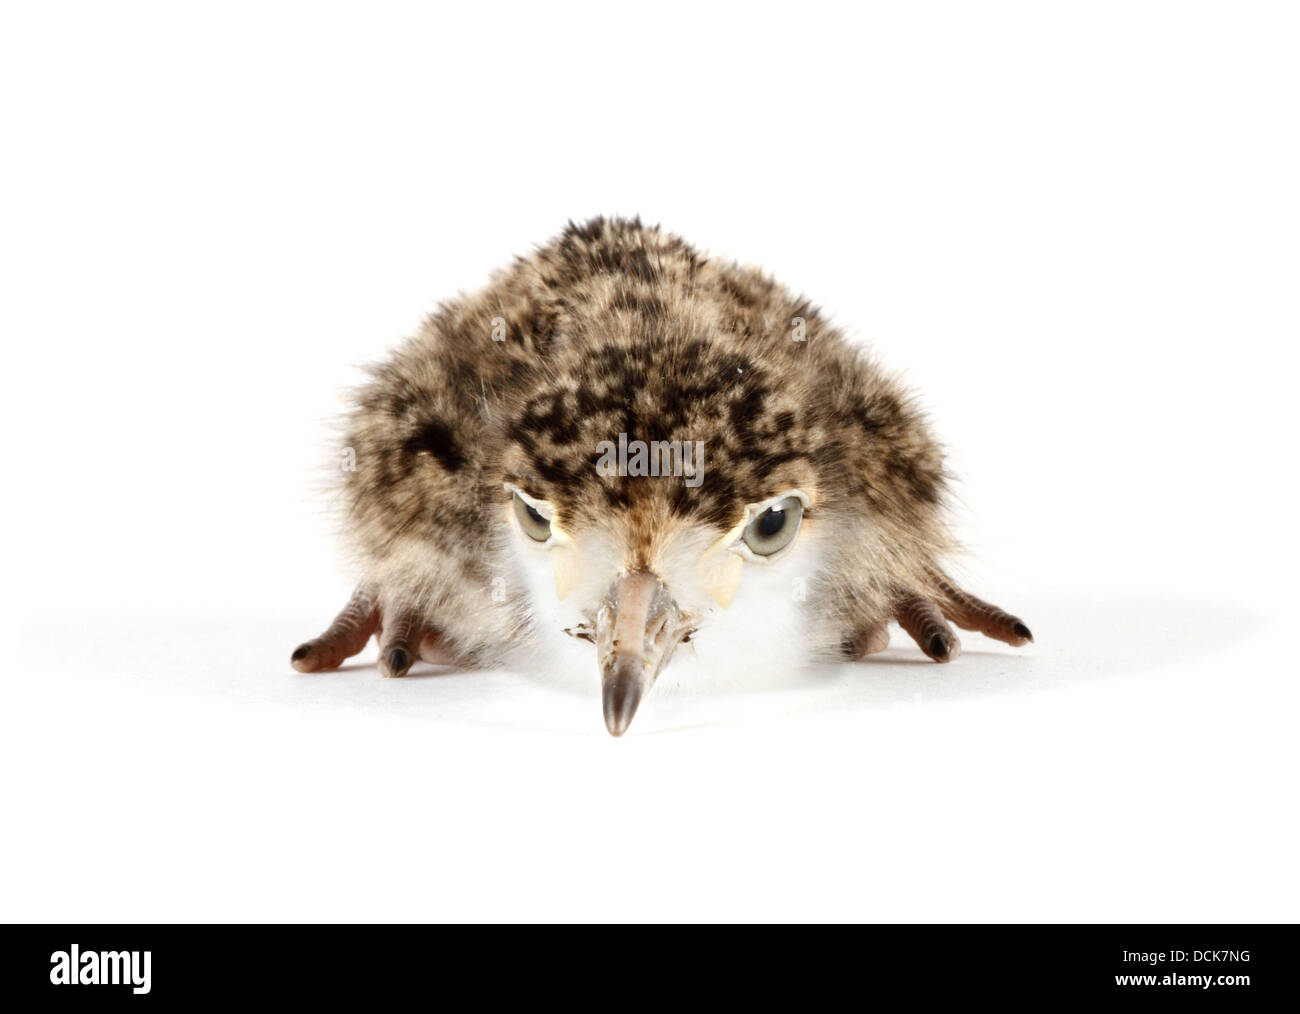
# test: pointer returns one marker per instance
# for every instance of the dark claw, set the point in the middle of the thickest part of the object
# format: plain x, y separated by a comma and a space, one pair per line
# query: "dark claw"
938, 647
301, 652
398, 661
1023, 631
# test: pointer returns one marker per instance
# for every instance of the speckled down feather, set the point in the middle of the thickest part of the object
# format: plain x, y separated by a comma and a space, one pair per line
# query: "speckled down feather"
617, 331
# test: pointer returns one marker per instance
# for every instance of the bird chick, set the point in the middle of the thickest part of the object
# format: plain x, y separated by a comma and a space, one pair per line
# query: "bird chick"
622, 441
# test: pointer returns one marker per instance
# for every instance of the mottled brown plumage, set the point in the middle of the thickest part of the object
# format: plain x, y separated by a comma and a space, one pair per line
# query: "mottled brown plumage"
497, 419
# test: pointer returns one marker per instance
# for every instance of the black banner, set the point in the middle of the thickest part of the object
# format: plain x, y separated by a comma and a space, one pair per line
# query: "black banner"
138, 964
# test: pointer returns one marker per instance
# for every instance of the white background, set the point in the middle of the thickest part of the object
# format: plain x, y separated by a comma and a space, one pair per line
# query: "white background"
1073, 227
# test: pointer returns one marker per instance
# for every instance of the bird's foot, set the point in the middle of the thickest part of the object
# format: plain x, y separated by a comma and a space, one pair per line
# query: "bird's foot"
926, 620
402, 638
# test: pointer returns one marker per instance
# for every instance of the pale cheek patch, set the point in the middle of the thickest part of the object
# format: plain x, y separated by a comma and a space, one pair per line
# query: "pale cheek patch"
719, 570
722, 576
567, 564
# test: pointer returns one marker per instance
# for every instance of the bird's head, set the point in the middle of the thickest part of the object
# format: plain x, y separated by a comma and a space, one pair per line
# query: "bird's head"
642, 580
655, 492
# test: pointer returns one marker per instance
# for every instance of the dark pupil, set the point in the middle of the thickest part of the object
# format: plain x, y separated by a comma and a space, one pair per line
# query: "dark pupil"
532, 513
771, 522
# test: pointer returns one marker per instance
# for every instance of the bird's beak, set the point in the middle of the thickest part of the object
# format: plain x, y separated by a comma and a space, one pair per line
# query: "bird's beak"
637, 628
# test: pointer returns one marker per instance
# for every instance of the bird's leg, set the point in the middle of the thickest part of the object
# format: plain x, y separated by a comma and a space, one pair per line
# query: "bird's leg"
867, 641
402, 638
346, 636
923, 620
926, 618
397, 644
971, 613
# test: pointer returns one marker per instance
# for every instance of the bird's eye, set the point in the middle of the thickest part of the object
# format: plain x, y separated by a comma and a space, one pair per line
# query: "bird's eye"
775, 528
534, 525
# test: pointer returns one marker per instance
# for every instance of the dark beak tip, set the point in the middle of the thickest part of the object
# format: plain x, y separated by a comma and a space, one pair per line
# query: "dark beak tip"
621, 702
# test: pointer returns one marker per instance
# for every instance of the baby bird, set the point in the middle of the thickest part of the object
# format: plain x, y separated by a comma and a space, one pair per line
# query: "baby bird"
622, 441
